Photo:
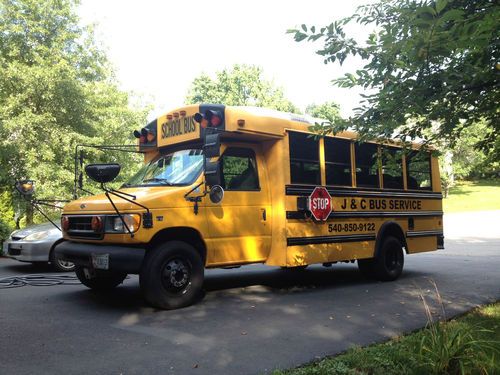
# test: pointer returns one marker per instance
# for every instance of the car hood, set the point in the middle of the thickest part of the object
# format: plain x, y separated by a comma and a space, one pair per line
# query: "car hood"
21, 233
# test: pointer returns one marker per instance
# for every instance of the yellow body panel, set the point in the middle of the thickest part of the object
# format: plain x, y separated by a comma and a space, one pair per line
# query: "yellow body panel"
263, 226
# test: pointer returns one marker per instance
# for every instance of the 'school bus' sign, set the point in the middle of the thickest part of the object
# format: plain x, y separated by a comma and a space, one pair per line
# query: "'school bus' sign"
177, 129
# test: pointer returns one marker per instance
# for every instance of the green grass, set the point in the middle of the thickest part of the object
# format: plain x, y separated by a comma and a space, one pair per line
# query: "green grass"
473, 196
471, 341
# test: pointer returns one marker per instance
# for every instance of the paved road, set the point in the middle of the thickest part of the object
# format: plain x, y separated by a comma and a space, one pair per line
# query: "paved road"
252, 320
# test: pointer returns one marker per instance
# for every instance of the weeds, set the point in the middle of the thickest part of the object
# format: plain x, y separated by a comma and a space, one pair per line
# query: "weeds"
452, 347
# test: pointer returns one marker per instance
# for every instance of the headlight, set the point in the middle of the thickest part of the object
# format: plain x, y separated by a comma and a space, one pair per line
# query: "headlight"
133, 222
37, 236
13, 234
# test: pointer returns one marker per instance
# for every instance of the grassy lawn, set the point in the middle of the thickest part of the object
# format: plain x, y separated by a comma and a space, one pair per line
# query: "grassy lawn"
472, 340
473, 196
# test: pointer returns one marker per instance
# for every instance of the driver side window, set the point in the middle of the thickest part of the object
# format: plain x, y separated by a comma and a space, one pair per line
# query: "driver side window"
239, 170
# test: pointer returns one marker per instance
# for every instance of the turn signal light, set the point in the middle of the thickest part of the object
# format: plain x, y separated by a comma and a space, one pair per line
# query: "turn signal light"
65, 223
96, 224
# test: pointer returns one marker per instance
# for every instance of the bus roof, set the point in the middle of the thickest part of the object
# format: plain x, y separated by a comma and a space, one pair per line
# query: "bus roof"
179, 125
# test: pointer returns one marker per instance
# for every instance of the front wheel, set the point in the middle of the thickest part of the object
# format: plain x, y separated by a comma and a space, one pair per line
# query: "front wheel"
59, 264
99, 280
172, 275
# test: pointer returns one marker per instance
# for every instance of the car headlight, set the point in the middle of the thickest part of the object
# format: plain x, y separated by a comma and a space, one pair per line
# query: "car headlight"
37, 236
133, 222
13, 234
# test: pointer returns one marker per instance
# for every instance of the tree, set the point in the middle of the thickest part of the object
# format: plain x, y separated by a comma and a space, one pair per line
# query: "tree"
57, 90
426, 62
329, 111
240, 85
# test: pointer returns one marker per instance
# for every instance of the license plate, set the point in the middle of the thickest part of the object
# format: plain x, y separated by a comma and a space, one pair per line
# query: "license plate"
100, 261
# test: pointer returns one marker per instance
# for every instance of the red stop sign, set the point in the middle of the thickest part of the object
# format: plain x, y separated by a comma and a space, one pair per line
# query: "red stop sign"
320, 203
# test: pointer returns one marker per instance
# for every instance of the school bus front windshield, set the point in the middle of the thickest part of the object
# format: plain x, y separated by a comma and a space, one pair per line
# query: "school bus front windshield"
178, 168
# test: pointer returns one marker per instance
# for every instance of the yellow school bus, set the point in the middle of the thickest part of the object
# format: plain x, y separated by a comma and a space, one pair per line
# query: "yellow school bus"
227, 186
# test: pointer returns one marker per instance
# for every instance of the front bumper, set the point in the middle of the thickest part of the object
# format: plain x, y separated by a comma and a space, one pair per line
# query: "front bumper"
28, 251
121, 258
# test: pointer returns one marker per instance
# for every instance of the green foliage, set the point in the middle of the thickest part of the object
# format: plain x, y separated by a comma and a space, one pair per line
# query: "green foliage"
57, 90
241, 85
428, 65
451, 348
329, 111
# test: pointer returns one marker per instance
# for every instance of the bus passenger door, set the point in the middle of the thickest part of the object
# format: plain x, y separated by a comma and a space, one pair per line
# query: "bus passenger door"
240, 226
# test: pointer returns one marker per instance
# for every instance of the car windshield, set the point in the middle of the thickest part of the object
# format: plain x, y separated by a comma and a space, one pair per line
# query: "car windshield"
176, 168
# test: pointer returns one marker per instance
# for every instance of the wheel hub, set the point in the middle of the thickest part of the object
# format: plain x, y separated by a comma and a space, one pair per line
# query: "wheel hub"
176, 275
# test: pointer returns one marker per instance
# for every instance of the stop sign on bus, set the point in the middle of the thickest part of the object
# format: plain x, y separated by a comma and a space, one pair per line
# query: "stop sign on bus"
320, 203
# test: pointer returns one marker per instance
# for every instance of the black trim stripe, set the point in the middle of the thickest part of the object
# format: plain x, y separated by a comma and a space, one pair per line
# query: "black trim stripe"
424, 233
298, 241
349, 192
300, 215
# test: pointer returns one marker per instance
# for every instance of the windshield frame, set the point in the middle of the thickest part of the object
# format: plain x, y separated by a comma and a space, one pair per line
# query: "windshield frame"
162, 154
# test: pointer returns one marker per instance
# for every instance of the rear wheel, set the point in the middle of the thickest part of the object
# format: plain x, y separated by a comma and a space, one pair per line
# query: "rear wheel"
99, 280
172, 275
388, 264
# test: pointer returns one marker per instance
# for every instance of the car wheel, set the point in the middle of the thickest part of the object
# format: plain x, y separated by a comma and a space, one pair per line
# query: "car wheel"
388, 265
99, 280
172, 275
60, 264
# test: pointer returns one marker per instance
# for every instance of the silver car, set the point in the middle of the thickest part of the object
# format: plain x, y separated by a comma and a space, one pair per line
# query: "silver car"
36, 244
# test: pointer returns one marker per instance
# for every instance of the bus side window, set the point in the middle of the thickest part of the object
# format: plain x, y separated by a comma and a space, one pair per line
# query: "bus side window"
304, 159
418, 169
392, 167
239, 170
338, 161
366, 165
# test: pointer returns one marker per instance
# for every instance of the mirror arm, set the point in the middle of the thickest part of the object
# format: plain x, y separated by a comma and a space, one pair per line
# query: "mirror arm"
195, 199
119, 193
86, 191
34, 204
187, 195
118, 212
147, 217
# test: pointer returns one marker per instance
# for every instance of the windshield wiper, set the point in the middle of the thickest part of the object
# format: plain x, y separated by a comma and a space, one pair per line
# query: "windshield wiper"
162, 181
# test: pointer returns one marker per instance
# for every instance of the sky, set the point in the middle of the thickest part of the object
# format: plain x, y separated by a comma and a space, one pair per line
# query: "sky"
159, 47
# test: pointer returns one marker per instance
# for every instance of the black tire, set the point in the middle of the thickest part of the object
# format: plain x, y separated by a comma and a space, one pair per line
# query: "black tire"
388, 264
390, 261
59, 264
172, 275
99, 280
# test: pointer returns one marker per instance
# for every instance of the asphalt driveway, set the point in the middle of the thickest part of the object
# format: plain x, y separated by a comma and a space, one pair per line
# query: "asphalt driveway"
252, 319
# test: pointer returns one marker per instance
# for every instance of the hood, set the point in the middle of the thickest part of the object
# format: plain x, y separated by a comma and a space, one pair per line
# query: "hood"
152, 197
22, 233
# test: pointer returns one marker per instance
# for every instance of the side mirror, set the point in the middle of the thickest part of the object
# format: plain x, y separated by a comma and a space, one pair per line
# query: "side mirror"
25, 187
103, 172
216, 194
211, 148
212, 172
